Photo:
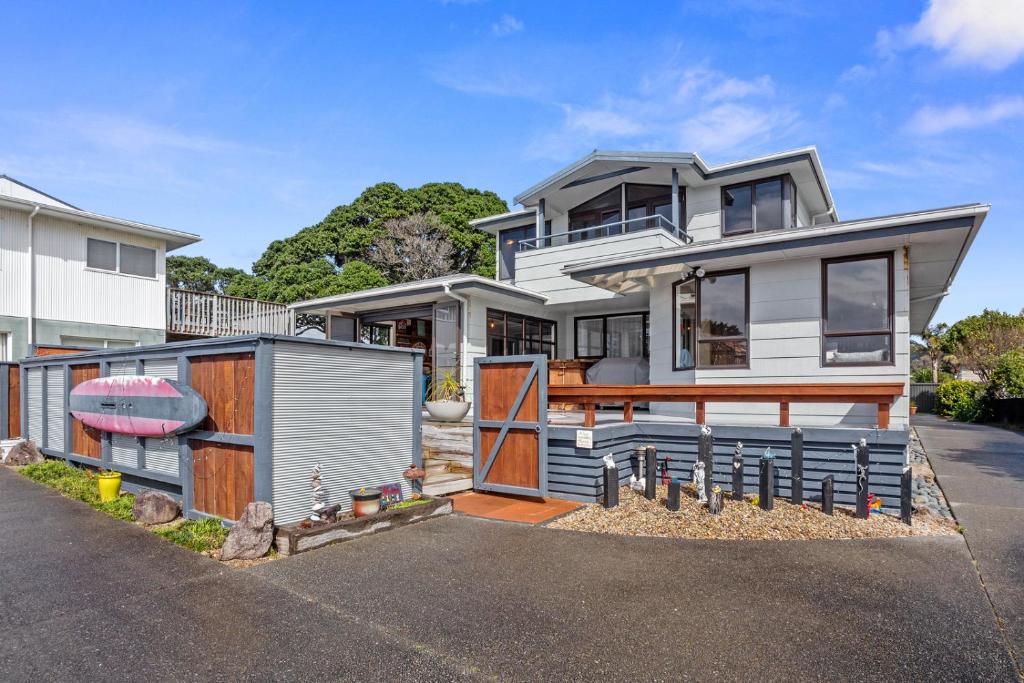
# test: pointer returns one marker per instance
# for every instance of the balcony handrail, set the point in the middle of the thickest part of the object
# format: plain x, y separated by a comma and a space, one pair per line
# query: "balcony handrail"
657, 221
217, 315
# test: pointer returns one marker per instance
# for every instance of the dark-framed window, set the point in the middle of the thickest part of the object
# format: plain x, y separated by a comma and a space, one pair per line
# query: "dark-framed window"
723, 319
604, 209
511, 334
375, 333
120, 258
619, 335
684, 324
644, 201
857, 310
508, 245
759, 206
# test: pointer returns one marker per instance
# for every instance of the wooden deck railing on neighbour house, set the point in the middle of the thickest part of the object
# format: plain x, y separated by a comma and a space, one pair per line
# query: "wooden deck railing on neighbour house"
216, 315
590, 395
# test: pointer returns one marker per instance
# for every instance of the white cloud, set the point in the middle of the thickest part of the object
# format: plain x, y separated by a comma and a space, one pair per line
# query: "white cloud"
988, 33
934, 120
735, 88
601, 122
858, 73
507, 25
835, 101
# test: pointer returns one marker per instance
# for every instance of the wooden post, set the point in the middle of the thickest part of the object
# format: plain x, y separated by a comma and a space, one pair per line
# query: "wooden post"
627, 411
906, 484
737, 472
673, 494
766, 499
651, 474
784, 414
796, 468
700, 412
611, 487
589, 415
862, 479
883, 415
706, 454
827, 494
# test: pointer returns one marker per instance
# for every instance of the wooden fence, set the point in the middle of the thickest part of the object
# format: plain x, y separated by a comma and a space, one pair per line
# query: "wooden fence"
923, 396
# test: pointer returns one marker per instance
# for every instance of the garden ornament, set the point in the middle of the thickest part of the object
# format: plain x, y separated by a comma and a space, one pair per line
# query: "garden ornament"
609, 462
319, 494
698, 481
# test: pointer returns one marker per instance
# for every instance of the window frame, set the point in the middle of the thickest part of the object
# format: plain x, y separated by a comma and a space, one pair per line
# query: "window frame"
891, 302
752, 184
117, 255
646, 322
117, 259
746, 321
530, 229
675, 324
524, 318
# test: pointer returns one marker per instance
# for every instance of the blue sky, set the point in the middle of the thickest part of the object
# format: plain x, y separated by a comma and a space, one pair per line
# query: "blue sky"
246, 122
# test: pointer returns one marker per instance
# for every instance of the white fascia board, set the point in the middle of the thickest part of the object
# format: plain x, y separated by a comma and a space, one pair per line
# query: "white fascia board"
414, 287
174, 239
493, 223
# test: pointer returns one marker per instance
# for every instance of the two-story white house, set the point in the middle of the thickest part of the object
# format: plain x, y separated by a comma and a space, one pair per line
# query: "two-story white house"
740, 273
70, 277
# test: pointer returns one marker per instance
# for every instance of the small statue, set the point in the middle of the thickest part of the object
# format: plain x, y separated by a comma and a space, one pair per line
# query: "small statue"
319, 495
637, 484
716, 502
698, 482
415, 476
609, 462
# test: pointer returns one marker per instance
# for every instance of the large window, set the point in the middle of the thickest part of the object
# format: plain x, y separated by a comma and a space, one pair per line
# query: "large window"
604, 209
684, 324
122, 258
612, 336
508, 245
511, 334
759, 206
857, 303
647, 201
723, 339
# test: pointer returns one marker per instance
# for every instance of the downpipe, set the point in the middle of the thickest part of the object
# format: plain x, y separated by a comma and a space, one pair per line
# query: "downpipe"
32, 277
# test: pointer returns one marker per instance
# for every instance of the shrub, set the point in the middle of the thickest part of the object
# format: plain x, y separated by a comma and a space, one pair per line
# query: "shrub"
1008, 376
924, 376
960, 400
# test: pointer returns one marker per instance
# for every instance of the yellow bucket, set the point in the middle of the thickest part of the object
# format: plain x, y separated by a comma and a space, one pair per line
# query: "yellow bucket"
110, 485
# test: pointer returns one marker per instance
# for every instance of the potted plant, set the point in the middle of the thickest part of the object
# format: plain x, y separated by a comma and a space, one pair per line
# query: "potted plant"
446, 399
913, 407
365, 501
109, 484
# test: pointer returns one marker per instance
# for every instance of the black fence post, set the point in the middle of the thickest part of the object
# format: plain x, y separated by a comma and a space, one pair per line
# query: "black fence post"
796, 485
611, 485
706, 454
827, 494
737, 472
673, 494
906, 484
651, 476
862, 478
766, 499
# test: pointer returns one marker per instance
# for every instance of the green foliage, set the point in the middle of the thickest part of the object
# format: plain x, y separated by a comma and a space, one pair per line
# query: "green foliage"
200, 535
78, 484
199, 274
446, 388
122, 507
1008, 376
978, 341
925, 375
408, 503
960, 400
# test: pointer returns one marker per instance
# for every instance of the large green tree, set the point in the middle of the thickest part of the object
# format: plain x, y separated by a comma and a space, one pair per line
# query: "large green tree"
978, 341
199, 274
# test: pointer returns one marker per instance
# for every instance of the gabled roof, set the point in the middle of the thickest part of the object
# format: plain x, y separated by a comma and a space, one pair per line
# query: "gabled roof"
32, 192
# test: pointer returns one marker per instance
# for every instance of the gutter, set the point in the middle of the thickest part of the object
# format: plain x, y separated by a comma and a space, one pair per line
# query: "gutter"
32, 278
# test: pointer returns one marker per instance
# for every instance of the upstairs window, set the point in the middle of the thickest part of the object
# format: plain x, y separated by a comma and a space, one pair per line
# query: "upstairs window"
138, 261
101, 254
759, 206
723, 314
508, 245
857, 303
120, 258
646, 201
604, 209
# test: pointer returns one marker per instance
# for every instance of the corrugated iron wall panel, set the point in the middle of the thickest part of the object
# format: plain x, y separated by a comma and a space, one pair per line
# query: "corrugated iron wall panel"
55, 407
351, 410
34, 387
162, 455
162, 367
124, 450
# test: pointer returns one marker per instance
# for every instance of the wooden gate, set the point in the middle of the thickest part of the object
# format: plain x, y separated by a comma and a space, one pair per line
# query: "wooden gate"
510, 431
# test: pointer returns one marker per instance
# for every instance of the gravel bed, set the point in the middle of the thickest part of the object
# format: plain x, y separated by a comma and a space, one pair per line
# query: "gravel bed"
925, 494
637, 516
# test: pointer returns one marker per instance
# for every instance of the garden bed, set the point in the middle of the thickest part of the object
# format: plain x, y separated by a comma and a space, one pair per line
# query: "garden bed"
294, 538
637, 516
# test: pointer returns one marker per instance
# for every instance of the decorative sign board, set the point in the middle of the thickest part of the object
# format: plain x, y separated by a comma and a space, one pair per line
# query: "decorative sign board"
390, 494
584, 438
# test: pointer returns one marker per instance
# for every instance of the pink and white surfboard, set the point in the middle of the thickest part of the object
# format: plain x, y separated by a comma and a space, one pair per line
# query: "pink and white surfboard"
138, 406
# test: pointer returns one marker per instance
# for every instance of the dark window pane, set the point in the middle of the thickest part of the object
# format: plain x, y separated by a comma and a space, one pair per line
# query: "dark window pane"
722, 353
858, 296
788, 203
533, 329
769, 205
138, 261
647, 193
606, 200
495, 346
548, 331
590, 337
737, 209
101, 254
508, 241
723, 306
514, 327
859, 349
686, 313
624, 337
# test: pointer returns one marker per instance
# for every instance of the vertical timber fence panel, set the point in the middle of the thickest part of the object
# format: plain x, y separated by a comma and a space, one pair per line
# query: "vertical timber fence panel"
923, 395
10, 401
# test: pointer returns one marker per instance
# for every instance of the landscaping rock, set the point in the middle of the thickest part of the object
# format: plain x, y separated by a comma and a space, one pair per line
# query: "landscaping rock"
24, 453
252, 534
153, 507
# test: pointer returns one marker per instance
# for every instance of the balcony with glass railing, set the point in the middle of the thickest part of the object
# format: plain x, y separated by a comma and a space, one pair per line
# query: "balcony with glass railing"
603, 230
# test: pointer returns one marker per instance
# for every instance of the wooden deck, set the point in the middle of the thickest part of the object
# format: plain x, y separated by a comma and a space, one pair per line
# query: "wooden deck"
199, 314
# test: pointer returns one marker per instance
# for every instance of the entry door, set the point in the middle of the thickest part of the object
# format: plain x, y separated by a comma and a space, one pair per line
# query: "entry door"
510, 424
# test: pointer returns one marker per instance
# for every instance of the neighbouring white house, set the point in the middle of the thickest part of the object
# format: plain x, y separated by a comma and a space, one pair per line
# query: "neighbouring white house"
735, 274
70, 277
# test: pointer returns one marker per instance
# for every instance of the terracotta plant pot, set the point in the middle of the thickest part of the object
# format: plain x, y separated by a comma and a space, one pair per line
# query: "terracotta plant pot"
109, 484
913, 410
447, 411
365, 502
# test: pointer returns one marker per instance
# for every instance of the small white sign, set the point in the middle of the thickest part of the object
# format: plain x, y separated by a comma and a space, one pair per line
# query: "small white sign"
584, 438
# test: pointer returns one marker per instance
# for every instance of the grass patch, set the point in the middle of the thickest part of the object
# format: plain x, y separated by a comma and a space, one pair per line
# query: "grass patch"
200, 535
408, 503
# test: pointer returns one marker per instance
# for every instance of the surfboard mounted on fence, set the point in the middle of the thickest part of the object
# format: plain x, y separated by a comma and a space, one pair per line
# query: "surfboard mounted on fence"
138, 406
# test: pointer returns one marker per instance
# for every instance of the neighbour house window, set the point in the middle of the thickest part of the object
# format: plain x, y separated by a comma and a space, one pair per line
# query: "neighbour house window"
759, 206
5, 351
723, 316
94, 343
684, 307
604, 209
511, 334
375, 334
612, 336
508, 245
643, 201
123, 258
857, 304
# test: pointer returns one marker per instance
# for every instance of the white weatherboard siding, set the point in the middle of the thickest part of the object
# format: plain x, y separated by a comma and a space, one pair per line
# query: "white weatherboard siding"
540, 270
785, 347
13, 263
704, 212
350, 412
68, 291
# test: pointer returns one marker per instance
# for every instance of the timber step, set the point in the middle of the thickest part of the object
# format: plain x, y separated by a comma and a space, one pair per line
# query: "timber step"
447, 483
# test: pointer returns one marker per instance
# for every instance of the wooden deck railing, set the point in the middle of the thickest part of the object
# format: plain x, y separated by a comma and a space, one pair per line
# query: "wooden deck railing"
215, 315
590, 395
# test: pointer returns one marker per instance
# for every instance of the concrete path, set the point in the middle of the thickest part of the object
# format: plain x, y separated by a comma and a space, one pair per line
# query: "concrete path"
981, 471
85, 597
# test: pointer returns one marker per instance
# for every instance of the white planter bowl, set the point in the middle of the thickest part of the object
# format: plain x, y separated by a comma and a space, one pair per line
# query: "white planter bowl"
447, 411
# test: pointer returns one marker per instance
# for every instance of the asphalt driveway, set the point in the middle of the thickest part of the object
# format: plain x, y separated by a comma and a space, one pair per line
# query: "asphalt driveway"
85, 597
981, 471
